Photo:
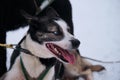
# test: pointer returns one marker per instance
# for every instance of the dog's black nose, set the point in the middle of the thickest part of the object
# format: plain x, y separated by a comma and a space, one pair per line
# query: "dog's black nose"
75, 43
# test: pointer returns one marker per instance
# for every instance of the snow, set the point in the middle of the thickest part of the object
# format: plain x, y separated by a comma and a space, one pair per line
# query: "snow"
97, 26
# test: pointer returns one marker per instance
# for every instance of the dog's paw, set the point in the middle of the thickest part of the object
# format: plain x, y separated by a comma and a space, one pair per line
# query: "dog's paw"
97, 68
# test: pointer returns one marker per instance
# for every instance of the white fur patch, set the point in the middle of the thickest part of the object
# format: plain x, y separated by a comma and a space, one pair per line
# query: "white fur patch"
37, 49
65, 43
32, 63
33, 67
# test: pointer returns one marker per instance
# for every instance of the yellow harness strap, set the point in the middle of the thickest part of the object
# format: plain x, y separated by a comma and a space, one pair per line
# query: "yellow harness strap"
7, 45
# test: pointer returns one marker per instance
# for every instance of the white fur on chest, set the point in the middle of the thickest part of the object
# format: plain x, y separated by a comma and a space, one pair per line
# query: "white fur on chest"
33, 67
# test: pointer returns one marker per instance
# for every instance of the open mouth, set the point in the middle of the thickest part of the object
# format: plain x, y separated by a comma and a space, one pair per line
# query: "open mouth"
61, 53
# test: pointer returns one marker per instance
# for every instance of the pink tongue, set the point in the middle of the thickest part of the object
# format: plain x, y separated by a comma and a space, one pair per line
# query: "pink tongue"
64, 53
69, 57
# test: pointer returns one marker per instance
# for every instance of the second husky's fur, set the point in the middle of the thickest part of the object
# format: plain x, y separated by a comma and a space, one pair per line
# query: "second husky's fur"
81, 68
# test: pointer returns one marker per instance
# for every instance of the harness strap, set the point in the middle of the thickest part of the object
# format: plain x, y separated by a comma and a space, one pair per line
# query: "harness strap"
8, 45
23, 69
26, 75
58, 67
43, 74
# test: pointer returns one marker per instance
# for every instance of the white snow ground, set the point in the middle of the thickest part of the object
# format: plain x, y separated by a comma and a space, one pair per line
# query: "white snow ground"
97, 26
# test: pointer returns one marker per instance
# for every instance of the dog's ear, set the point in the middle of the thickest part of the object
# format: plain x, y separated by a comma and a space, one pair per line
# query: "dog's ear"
27, 16
50, 12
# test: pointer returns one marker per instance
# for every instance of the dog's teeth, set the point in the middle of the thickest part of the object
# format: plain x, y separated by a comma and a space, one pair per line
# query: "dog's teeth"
57, 51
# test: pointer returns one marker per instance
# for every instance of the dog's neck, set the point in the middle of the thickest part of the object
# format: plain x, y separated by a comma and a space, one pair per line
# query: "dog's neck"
34, 64
44, 61
38, 49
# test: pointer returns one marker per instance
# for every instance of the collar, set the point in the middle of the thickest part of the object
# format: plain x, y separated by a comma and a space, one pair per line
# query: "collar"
48, 62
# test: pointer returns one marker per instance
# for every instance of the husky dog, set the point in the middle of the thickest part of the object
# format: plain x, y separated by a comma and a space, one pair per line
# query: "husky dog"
48, 39
11, 18
80, 68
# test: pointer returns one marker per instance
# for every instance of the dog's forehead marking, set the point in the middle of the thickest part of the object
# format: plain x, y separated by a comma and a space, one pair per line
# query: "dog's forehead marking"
62, 24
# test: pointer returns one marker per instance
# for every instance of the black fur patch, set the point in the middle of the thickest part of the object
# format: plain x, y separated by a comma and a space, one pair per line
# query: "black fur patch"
11, 18
45, 29
59, 70
48, 62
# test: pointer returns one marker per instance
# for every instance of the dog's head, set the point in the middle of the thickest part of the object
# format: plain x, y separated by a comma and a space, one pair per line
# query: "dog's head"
49, 36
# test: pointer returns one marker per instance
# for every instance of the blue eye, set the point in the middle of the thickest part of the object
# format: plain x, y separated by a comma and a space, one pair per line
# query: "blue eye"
56, 33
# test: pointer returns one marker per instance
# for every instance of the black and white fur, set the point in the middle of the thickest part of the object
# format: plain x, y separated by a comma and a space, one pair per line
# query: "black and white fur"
46, 29
11, 19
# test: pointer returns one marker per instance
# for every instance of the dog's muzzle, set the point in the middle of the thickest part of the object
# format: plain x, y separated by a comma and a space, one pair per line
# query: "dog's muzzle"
75, 43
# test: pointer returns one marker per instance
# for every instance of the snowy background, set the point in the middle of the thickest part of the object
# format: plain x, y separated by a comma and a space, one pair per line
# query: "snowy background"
97, 26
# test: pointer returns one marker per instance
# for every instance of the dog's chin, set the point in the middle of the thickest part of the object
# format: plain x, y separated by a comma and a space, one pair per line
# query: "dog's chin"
60, 53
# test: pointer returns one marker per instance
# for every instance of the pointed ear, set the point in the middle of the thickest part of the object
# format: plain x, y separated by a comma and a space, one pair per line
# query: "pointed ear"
27, 16
50, 12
